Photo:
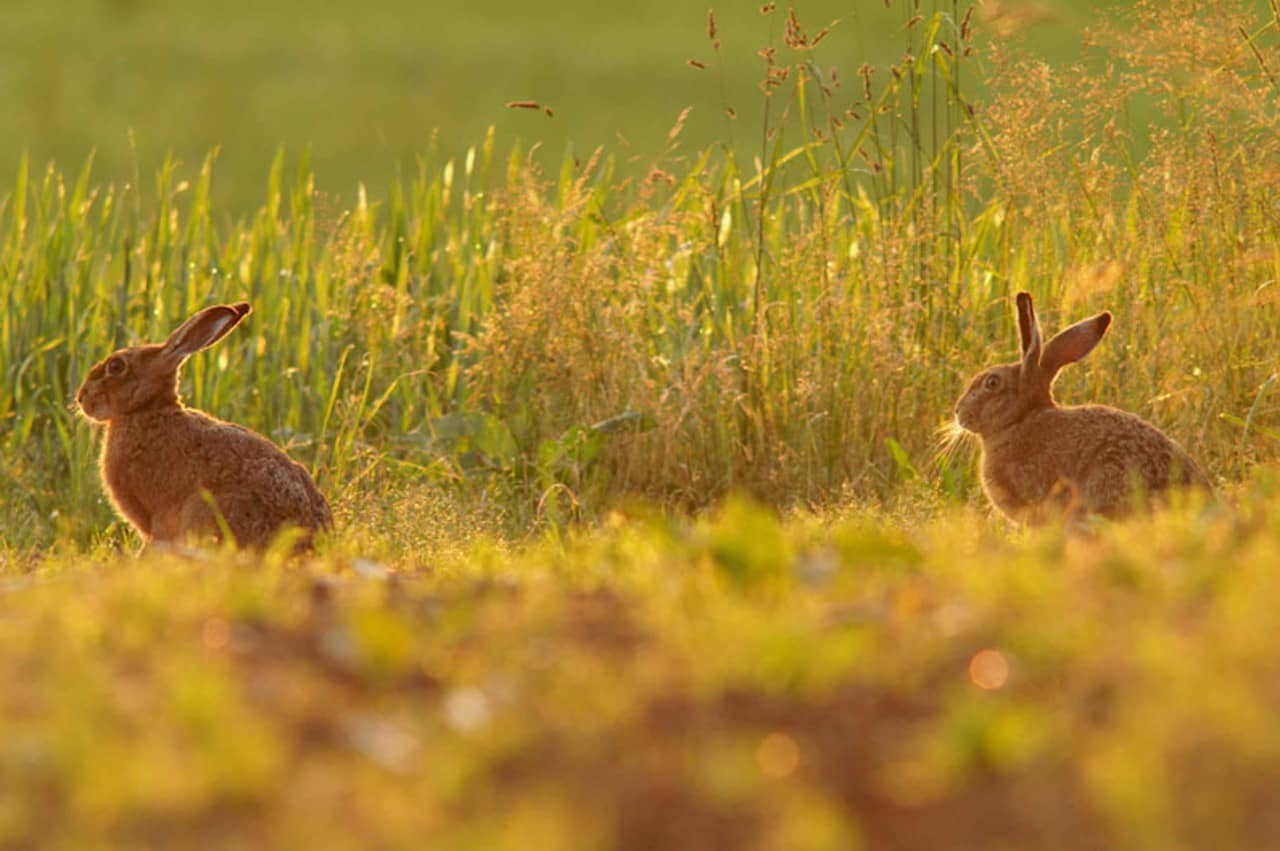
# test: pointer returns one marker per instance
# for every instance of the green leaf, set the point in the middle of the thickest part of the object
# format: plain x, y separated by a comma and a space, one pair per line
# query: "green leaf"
901, 461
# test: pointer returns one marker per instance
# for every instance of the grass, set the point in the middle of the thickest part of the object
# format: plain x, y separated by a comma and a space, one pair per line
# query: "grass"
640, 492
544, 344
851, 680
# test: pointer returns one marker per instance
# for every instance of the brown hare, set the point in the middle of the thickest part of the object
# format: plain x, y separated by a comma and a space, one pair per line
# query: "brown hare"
175, 473
1042, 461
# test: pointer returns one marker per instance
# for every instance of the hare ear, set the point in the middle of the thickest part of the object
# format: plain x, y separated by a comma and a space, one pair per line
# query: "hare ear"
204, 329
1029, 330
1071, 344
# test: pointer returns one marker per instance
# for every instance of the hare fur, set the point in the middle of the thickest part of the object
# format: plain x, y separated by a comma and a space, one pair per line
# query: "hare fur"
1042, 461
175, 473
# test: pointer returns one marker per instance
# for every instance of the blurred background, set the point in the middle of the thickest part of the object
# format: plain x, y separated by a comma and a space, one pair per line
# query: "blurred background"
370, 87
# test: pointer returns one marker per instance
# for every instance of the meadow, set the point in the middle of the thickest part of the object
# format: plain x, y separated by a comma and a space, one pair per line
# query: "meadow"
652, 527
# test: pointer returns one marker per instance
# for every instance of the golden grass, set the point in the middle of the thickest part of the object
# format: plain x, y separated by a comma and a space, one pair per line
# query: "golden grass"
739, 682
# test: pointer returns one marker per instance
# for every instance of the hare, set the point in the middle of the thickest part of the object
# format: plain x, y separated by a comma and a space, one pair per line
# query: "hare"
175, 473
1041, 460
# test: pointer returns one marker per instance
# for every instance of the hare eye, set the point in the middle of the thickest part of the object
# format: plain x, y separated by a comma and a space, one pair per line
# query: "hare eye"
991, 382
115, 366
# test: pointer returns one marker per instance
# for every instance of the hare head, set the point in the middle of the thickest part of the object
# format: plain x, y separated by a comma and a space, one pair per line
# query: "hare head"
1001, 396
143, 377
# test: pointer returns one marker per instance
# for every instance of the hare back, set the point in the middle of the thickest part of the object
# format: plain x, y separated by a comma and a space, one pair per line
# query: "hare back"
159, 466
1092, 458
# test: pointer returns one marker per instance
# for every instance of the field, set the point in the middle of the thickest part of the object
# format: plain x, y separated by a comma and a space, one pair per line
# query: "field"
653, 530
737, 682
371, 88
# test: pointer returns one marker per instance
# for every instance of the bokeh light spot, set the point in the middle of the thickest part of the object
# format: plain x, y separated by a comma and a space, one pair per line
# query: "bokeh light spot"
989, 669
778, 755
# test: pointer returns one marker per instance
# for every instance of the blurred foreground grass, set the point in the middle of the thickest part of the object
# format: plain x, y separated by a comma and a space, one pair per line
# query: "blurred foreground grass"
915, 681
